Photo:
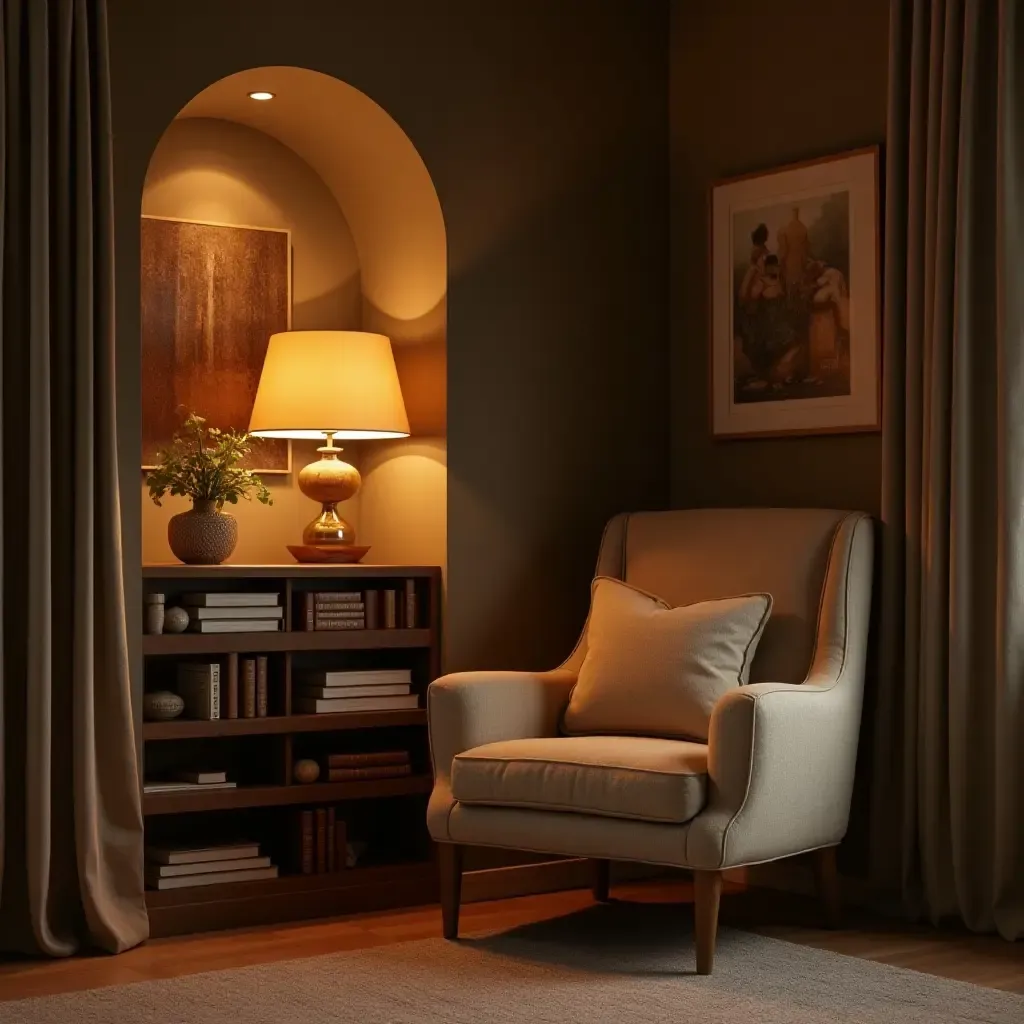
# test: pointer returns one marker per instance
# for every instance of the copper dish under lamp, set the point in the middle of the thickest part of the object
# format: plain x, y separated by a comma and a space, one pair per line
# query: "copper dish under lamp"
327, 385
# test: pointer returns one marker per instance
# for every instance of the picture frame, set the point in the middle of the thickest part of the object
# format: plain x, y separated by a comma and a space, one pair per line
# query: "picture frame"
795, 310
212, 294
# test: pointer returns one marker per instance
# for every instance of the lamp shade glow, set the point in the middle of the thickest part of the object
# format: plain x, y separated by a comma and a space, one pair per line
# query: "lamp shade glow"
319, 382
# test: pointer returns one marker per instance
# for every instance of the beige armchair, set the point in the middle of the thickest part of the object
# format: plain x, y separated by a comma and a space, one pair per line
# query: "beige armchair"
773, 781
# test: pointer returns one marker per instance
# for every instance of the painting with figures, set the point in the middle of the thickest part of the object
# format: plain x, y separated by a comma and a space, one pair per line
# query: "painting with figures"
791, 316
795, 332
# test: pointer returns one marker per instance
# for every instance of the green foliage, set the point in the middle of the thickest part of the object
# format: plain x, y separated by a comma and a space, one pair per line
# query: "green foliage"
203, 463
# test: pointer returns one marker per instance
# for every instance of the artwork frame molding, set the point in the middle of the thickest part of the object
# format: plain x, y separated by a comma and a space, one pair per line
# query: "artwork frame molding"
287, 468
859, 411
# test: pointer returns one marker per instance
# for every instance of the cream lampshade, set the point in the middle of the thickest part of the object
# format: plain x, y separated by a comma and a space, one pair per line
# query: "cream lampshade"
329, 384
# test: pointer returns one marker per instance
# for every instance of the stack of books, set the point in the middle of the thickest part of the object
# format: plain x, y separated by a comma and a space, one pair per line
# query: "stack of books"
333, 609
233, 612
320, 841
181, 867
369, 609
377, 764
365, 690
189, 781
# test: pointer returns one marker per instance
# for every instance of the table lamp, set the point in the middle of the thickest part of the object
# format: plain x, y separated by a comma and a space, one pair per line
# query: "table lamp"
327, 385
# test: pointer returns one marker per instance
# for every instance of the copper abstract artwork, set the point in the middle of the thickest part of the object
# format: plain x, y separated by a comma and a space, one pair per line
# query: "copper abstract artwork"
212, 295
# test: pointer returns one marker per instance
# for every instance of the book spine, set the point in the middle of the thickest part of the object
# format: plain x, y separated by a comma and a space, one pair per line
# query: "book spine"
357, 614
372, 603
338, 595
321, 840
249, 688
340, 844
340, 606
232, 685
410, 612
390, 615
308, 610
332, 853
329, 624
199, 686
262, 684
307, 849
367, 760
384, 771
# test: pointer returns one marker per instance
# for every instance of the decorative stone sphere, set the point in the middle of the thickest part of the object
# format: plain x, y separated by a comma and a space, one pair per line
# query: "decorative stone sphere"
175, 620
162, 706
306, 770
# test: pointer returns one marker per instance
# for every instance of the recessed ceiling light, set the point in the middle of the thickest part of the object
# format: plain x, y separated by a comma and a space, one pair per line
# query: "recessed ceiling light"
261, 95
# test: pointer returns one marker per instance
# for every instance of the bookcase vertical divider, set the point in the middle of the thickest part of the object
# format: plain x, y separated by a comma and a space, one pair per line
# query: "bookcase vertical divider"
287, 682
434, 612
288, 612
288, 753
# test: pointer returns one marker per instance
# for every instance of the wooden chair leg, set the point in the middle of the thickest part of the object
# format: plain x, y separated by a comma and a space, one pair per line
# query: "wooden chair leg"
602, 880
449, 859
707, 894
827, 878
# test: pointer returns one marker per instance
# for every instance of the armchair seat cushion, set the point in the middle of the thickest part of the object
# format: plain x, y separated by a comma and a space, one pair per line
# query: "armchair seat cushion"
637, 777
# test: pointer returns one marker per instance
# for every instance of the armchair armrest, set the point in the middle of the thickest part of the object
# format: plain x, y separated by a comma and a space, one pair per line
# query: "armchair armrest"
467, 709
781, 762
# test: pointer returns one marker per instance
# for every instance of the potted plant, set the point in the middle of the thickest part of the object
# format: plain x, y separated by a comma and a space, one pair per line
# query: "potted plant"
203, 463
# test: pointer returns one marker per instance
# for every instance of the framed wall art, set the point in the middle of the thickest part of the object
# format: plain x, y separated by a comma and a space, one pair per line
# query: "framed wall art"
212, 295
795, 329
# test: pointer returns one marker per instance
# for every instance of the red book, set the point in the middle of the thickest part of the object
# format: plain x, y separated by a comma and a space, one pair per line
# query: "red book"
232, 685
369, 760
332, 853
384, 771
262, 684
409, 614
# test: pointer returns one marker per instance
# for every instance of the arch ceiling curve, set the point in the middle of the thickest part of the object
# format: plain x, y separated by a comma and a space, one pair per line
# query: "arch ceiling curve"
374, 171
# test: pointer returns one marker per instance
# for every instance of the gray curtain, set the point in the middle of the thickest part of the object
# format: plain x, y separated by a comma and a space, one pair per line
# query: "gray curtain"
948, 829
71, 819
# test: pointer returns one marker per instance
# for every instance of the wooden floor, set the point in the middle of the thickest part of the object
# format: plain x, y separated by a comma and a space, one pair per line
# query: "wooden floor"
982, 960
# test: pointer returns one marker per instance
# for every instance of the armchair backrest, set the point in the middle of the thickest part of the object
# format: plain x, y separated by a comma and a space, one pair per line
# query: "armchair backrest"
703, 554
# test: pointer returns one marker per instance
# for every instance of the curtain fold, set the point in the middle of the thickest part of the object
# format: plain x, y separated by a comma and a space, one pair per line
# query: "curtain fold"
71, 813
948, 802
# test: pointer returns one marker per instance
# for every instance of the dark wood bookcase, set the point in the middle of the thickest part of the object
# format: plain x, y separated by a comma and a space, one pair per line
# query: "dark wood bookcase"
388, 815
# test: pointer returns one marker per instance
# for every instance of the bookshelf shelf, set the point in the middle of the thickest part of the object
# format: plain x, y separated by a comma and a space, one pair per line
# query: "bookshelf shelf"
385, 814
376, 887
184, 644
191, 800
280, 725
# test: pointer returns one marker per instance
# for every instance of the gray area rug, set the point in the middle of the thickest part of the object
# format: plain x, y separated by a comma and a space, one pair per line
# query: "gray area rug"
609, 964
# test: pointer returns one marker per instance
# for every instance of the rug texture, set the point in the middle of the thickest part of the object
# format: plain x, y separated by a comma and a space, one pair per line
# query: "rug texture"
610, 964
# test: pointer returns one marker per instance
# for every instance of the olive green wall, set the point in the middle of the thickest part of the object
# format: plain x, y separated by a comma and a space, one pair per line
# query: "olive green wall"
544, 127
755, 85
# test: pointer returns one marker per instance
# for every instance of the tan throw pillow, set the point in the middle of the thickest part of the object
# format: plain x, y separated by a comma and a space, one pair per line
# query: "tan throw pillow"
654, 670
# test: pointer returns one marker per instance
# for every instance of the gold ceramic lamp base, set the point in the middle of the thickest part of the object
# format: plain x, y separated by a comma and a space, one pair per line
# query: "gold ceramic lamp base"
329, 481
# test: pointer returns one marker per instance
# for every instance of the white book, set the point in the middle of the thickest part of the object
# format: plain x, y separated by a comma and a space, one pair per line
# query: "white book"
199, 686
201, 854
328, 692
229, 600
185, 787
215, 877
318, 706
364, 677
201, 778
247, 612
233, 626
155, 871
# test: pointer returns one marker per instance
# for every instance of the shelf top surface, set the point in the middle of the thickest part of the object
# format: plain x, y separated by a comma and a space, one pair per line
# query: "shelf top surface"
292, 570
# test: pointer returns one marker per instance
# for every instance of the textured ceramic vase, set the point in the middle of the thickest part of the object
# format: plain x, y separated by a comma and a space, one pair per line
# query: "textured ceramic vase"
202, 535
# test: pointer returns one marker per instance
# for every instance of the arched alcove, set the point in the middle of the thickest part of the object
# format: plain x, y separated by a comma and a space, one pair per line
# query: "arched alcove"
326, 162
